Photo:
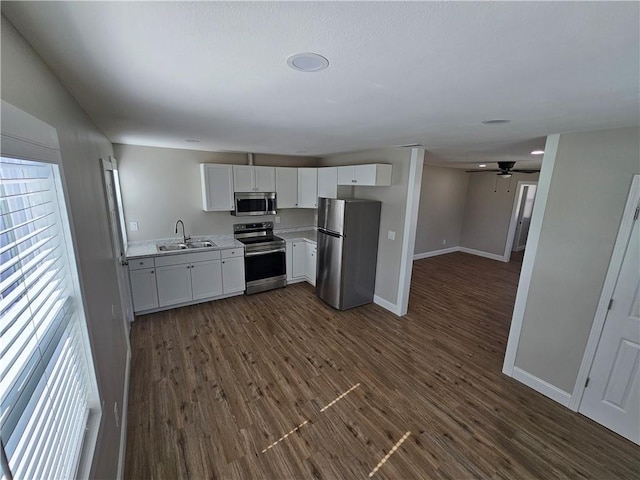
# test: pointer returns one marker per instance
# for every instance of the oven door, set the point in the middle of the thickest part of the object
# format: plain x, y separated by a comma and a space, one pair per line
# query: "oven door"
266, 268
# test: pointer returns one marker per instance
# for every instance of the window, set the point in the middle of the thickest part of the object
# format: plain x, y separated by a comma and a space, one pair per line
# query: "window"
46, 376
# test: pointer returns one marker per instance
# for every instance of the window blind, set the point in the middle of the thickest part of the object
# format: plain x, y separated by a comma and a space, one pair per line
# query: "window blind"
44, 372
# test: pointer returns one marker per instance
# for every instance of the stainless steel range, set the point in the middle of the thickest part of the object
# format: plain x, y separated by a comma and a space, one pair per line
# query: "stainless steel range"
265, 264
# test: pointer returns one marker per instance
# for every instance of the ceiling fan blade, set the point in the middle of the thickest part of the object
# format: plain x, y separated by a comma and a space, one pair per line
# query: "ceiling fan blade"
482, 171
525, 171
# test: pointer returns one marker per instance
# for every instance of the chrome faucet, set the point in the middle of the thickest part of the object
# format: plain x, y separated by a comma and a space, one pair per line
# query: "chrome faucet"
184, 235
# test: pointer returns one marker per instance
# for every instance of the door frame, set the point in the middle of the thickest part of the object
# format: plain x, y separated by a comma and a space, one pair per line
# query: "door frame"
513, 223
619, 250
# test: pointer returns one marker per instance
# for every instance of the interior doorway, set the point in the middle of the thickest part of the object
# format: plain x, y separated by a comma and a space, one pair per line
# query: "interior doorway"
520, 219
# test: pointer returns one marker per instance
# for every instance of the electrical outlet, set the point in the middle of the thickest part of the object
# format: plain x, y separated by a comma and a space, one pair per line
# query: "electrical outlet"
315, 218
277, 218
116, 413
133, 226
391, 235
444, 241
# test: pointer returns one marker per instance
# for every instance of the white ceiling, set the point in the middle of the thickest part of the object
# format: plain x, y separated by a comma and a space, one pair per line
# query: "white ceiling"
427, 72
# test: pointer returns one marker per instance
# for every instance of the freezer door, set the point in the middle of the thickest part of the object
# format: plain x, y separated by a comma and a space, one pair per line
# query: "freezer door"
331, 214
329, 272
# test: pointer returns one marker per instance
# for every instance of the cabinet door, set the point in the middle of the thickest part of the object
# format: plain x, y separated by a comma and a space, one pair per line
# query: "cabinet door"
287, 187
265, 179
346, 175
143, 289
174, 284
365, 174
308, 188
243, 178
206, 279
233, 275
217, 187
328, 182
289, 260
311, 264
300, 262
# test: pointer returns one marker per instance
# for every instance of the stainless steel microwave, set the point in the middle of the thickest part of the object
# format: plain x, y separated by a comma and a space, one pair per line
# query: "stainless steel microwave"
254, 203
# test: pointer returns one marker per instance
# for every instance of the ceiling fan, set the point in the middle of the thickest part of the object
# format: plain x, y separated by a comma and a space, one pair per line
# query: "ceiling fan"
505, 169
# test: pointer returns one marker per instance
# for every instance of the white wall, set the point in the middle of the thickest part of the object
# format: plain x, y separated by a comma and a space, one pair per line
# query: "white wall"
589, 187
162, 185
394, 202
487, 211
442, 201
28, 84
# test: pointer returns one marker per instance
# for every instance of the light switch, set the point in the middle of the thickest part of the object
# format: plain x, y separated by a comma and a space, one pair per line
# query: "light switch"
133, 226
391, 235
277, 218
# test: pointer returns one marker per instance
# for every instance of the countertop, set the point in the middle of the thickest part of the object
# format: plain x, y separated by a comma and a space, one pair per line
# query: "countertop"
150, 249
310, 235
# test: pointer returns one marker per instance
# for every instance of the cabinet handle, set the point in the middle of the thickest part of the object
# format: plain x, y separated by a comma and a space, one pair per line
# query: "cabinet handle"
151, 272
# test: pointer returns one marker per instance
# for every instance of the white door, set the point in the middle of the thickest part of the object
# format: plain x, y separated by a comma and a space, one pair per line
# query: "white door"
265, 179
233, 275
243, 178
287, 187
311, 264
612, 397
308, 187
206, 279
217, 187
143, 287
328, 182
300, 262
524, 217
174, 284
346, 175
365, 174
115, 213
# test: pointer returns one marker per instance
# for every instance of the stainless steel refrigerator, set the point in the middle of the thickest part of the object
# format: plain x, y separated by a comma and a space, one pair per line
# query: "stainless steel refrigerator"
347, 251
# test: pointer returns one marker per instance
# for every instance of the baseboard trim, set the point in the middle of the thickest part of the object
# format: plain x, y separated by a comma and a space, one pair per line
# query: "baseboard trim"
435, 253
546, 389
392, 307
480, 253
123, 418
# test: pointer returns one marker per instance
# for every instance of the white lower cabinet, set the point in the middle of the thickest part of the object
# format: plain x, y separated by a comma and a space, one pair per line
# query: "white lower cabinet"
299, 264
143, 289
301, 261
185, 278
311, 263
174, 284
206, 279
233, 275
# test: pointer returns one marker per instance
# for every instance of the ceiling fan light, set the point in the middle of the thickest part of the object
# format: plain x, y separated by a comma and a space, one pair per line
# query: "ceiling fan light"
504, 175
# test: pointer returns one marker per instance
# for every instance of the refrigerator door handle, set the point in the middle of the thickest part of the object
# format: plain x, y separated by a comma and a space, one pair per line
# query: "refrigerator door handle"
331, 234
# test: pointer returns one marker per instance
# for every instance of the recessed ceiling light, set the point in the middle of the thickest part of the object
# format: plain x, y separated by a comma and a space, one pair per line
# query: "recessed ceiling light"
537, 152
307, 62
496, 121
192, 140
482, 165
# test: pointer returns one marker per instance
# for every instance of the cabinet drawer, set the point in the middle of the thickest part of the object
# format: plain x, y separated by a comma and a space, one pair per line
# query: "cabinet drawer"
140, 263
232, 252
180, 258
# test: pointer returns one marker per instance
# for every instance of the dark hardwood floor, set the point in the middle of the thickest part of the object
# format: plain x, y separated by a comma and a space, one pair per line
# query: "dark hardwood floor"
214, 385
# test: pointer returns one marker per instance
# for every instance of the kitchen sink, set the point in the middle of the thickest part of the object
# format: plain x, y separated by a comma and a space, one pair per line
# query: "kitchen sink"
172, 247
200, 244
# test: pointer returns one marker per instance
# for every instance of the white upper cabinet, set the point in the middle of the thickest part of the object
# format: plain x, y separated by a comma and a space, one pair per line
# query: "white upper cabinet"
373, 175
287, 187
265, 179
328, 182
307, 188
217, 187
249, 178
